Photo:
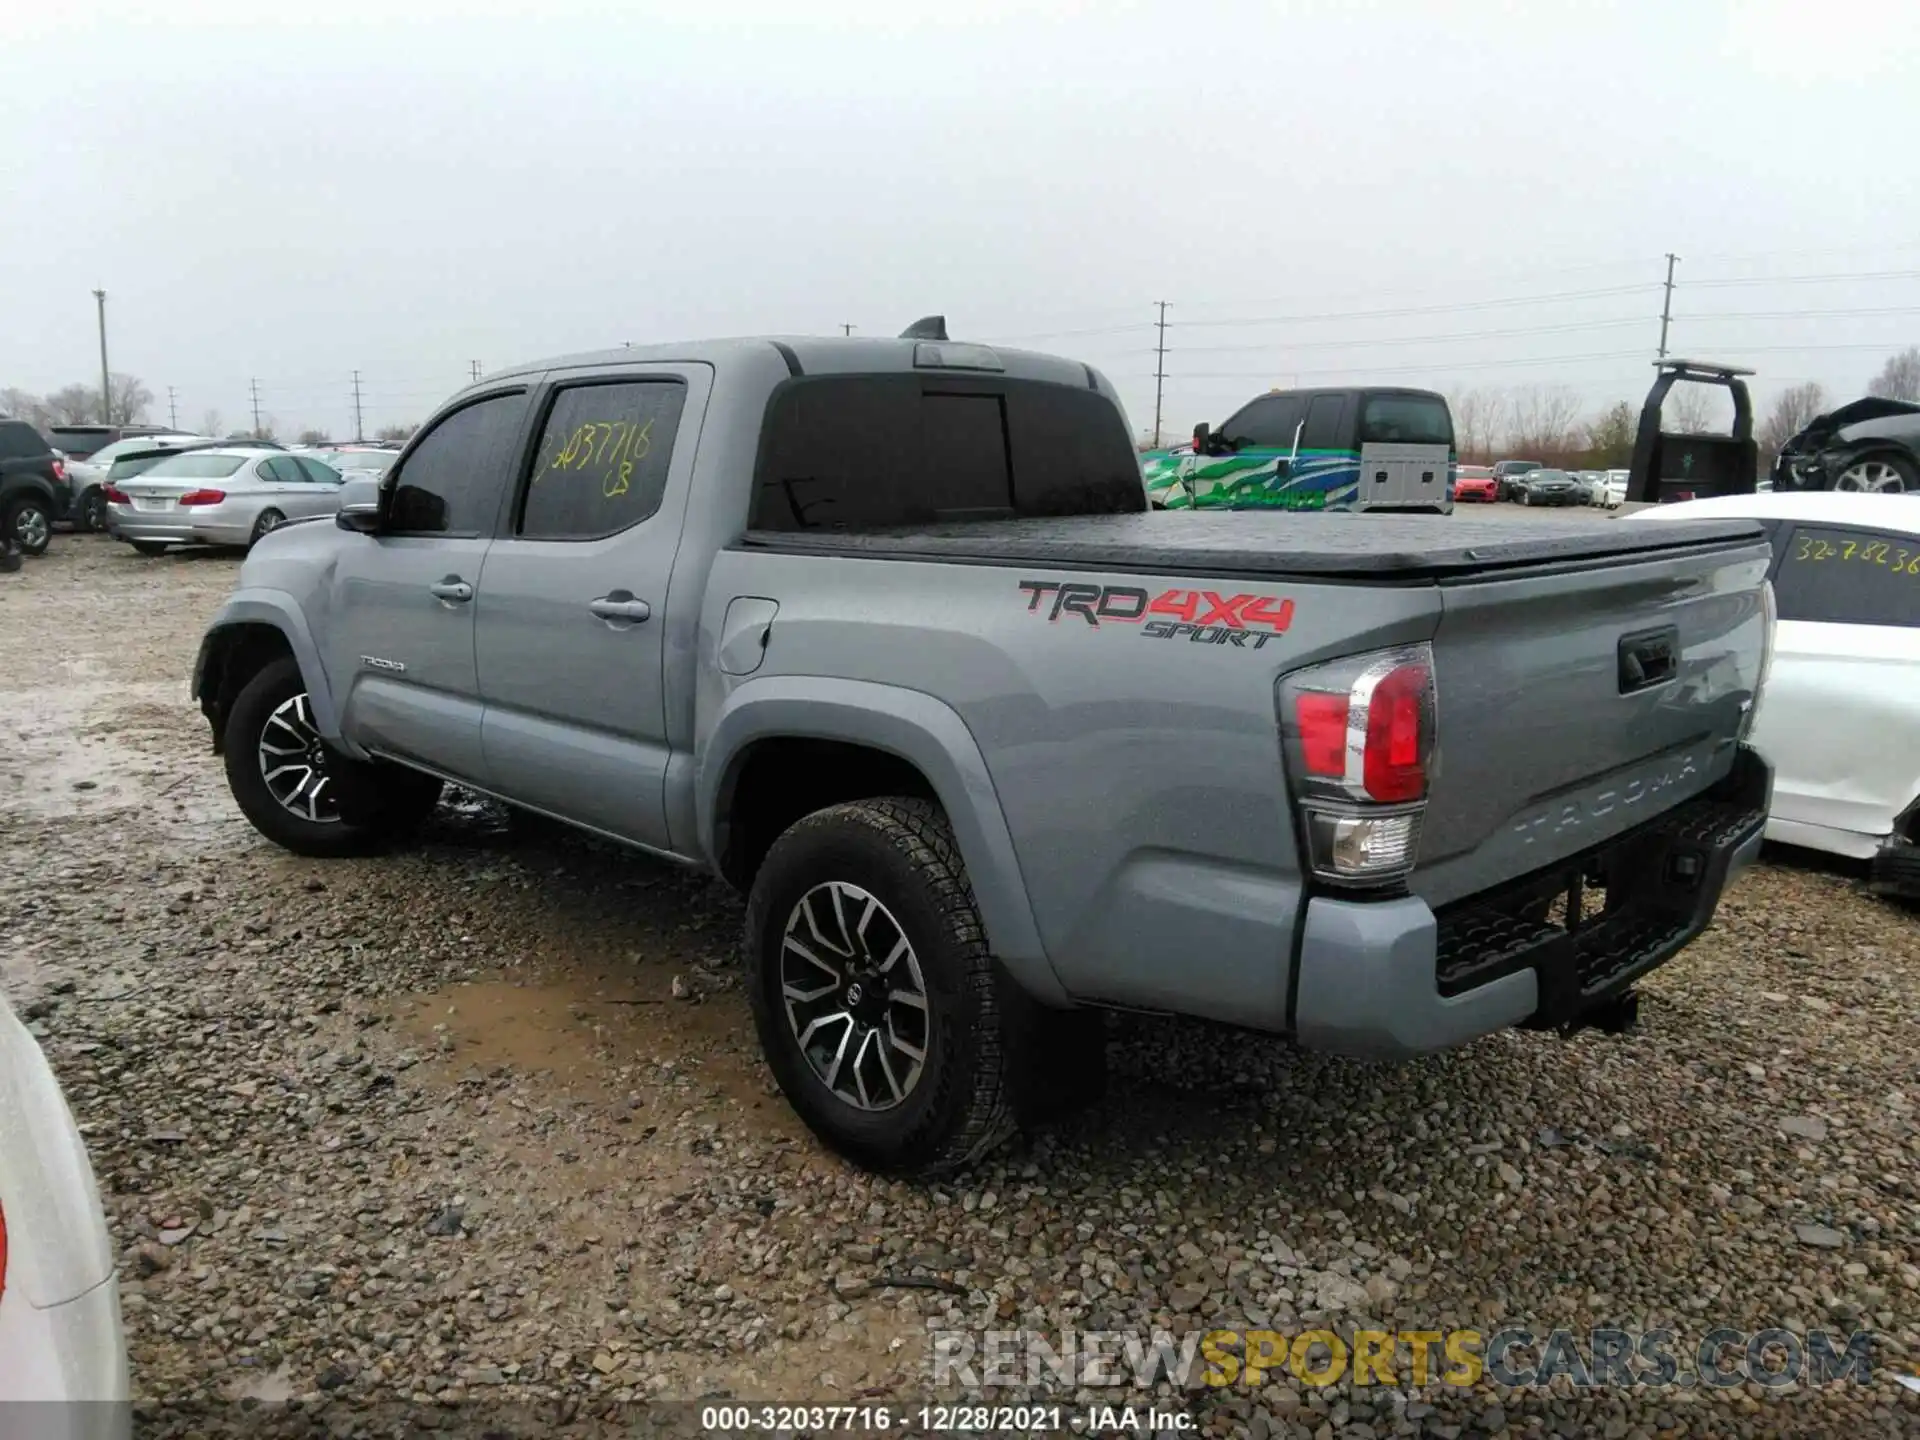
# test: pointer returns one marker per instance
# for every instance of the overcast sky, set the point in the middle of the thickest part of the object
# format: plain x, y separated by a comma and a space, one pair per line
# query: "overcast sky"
405, 186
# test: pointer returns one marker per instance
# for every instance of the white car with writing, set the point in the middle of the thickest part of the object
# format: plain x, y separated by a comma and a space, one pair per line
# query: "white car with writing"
1840, 716
60, 1335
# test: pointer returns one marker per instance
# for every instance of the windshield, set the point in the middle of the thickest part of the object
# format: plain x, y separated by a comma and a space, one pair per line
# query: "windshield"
1547, 476
1406, 420
195, 465
107, 454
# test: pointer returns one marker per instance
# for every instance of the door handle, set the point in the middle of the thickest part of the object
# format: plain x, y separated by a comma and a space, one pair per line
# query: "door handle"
453, 588
620, 605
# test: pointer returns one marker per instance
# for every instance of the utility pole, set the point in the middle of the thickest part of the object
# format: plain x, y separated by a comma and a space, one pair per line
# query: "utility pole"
1159, 370
474, 365
173, 409
253, 387
106, 384
846, 330
359, 431
1666, 305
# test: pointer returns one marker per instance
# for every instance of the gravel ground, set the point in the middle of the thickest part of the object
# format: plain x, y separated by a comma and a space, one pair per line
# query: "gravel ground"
483, 1121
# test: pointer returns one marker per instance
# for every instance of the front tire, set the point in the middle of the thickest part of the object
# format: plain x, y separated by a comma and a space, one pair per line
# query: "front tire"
878, 1007
30, 523
149, 548
301, 793
90, 514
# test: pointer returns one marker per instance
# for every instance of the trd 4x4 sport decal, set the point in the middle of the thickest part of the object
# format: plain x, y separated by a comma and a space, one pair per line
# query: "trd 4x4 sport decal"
1199, 616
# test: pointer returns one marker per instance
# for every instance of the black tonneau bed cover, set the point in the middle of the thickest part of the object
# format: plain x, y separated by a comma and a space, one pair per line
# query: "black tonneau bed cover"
1381, 548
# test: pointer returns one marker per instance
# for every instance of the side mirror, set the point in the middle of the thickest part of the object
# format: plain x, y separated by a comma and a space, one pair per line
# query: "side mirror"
1201, 433
359, 506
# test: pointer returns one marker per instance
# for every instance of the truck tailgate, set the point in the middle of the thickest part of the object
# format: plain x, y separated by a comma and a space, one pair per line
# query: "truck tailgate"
1576, 705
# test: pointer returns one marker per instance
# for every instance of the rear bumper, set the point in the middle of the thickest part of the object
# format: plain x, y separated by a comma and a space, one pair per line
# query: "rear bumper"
1392, 978
203, 526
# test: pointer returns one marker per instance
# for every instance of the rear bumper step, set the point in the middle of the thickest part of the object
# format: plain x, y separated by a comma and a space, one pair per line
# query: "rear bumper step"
1591, 925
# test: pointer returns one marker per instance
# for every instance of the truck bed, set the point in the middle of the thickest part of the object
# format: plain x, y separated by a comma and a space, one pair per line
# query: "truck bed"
1375, 548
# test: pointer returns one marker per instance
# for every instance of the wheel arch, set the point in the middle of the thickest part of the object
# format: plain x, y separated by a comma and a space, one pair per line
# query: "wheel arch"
252, 630
845, 738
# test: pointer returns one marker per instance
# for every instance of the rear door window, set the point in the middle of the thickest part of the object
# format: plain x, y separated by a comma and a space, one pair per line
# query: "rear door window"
869, 452
602, 462
1326, 424
1849, 576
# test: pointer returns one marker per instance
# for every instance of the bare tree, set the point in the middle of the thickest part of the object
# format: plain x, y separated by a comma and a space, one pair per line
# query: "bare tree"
211, 423
127, 400
1610, 436
24, 405
1476, 421
267, 429
314, 437
1792, 409
1542, 423
73, 405
394, 432
1899, 378
1687, 410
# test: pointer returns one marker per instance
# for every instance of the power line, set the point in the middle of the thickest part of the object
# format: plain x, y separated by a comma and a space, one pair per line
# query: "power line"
1805, 279
1427, 309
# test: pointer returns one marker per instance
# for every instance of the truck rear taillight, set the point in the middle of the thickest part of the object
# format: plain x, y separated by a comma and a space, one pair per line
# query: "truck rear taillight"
1358, 735
1770, 617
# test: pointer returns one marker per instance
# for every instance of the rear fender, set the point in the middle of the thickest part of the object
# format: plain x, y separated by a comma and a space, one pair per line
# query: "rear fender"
919, 729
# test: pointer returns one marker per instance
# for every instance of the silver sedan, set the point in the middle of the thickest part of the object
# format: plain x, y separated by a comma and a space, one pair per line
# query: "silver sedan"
230, 496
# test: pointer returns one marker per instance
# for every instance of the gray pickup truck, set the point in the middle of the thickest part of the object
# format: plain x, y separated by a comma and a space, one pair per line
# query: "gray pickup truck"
884, 633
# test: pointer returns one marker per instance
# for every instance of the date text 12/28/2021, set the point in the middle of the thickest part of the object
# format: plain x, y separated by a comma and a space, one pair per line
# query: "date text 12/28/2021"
940, 1419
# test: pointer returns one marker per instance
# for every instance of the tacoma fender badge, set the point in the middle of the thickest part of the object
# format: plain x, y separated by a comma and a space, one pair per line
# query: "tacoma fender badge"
374, 662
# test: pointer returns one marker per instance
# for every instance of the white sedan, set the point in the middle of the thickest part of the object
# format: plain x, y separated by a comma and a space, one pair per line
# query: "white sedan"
1840, 717
60, 1335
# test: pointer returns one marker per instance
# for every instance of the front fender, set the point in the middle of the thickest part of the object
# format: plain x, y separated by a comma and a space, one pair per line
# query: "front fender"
260, 606
926, 733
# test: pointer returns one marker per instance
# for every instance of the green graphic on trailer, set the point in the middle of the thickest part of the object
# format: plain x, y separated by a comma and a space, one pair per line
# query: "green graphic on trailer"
1252, 479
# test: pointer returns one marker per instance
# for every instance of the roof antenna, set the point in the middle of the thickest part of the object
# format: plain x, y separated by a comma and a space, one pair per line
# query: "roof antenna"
928, 327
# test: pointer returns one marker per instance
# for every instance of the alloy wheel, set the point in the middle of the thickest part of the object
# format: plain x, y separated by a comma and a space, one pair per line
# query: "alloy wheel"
31, 528
854, 995
1873, 477
293, 763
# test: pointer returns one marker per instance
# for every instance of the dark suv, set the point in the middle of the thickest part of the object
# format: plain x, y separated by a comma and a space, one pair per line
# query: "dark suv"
33, 486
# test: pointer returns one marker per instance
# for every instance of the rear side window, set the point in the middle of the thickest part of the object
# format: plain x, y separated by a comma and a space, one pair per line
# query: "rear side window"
451, 481
1849, 577
868, 452
1266, 424
602, 462
1326, 427
1406, 420
20, 441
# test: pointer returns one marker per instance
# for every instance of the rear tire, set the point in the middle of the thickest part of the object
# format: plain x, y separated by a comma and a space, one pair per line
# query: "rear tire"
840, 885
90, 513
149, 547
301, 793
269, 521
30, 523
1881, 474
